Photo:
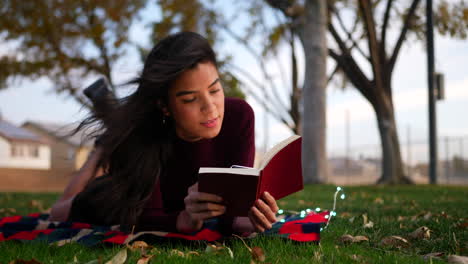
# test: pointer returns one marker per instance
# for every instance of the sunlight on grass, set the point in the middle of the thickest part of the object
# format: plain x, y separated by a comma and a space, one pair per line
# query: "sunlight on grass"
393, 210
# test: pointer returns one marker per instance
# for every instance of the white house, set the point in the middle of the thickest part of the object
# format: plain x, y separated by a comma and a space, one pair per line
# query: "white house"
22, 149
68, 152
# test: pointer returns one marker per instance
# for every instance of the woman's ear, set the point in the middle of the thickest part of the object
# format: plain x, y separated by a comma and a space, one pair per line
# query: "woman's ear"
163, 107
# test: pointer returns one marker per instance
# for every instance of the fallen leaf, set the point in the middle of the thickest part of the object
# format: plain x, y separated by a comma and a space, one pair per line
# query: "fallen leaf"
463, 225
401, 218
369, 225
144, 259
427, 216
352, 239
422, 232
178, 253
62, 242
457, 259
378, 200
142, 246
435, 255
364, 219
119, 258
258, 254
394, 241
193, 253
345, 215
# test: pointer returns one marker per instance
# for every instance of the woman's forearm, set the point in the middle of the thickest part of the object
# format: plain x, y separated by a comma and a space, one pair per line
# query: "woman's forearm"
81, 177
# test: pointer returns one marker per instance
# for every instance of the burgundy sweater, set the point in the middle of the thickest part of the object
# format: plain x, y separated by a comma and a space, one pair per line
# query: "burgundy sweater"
234, 145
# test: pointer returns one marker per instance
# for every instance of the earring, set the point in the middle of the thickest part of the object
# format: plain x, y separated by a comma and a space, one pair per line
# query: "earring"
164, 119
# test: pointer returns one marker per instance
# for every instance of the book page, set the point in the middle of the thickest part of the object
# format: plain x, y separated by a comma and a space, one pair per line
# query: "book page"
272, 152
240, 171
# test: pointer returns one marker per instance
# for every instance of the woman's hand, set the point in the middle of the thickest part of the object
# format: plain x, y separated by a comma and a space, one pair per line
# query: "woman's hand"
263, 213
198, 207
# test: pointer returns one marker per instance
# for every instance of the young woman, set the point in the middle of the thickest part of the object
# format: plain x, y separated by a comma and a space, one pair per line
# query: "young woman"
144, 171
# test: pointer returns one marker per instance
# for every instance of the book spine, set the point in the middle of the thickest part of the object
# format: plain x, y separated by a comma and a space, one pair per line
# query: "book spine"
259, 185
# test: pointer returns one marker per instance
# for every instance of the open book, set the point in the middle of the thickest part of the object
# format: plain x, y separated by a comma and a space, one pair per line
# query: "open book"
279, 173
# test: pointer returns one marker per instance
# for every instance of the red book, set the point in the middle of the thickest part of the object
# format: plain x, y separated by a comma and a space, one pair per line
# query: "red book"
279, 173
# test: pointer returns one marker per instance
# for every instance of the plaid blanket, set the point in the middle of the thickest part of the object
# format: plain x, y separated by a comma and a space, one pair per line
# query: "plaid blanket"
35, 227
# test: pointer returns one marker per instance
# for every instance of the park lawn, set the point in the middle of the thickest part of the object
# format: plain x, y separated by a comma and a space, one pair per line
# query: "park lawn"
394, 211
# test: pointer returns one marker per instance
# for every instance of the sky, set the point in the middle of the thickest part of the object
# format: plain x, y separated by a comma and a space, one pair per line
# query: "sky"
35, 100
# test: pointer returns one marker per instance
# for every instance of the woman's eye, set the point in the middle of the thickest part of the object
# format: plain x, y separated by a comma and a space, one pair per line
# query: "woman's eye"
189, 100
214, 91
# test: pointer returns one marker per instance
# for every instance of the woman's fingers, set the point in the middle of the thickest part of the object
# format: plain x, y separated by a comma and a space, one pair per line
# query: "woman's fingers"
260, 219
265, 210
270, 200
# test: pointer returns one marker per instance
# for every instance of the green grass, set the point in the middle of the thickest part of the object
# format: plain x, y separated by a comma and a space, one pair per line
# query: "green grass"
448, 206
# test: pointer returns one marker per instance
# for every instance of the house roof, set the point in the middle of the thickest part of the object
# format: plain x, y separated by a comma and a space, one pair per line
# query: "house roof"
62, 132
14, 133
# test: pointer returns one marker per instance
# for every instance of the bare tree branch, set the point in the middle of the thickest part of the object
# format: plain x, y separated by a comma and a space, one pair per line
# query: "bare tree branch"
266, 99
349, 33
383, 37
377, 62
260, 59
354, 74
402, 36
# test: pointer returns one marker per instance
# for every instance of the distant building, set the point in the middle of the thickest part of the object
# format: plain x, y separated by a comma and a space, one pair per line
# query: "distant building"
22, 149
67, 152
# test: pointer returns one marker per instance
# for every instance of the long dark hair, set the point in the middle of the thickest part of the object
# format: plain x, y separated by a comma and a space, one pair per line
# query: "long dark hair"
136, 141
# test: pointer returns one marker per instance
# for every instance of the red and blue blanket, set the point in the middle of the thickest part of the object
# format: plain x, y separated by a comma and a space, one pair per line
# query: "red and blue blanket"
35, 227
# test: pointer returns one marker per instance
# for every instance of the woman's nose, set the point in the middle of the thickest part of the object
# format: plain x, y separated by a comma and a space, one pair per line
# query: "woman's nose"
208, 105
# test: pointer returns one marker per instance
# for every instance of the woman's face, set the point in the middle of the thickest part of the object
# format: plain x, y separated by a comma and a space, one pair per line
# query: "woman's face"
196, 102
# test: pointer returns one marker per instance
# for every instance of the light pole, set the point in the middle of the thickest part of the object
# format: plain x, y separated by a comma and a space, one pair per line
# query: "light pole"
432, 105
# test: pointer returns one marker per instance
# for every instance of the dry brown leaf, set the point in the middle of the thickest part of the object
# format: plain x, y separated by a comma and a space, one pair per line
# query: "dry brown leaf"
427, 216
144, 259
119, 258
435, 255
394, 241
193, 253
422, 232
378, 200
364, 219
258, 254
345, 215
352, 239
457, 259
178, 253
139, 245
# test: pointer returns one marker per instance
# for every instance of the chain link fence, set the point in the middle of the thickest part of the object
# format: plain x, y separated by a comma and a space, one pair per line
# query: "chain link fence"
362, 164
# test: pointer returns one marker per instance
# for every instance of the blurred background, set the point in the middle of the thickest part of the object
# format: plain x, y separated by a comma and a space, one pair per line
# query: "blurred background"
350, 76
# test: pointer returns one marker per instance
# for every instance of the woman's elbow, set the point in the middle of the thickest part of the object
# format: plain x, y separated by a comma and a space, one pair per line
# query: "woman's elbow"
61, 210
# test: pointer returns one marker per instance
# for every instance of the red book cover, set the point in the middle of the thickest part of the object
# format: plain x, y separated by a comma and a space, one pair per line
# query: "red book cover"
280, 174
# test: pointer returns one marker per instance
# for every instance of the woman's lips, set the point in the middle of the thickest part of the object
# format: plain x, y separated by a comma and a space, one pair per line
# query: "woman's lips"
210, 123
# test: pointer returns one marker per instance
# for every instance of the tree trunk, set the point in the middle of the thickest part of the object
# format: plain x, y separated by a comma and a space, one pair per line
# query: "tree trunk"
392, 165
312, 33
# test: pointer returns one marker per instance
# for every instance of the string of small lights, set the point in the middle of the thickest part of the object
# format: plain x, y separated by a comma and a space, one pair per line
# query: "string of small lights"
303, 213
